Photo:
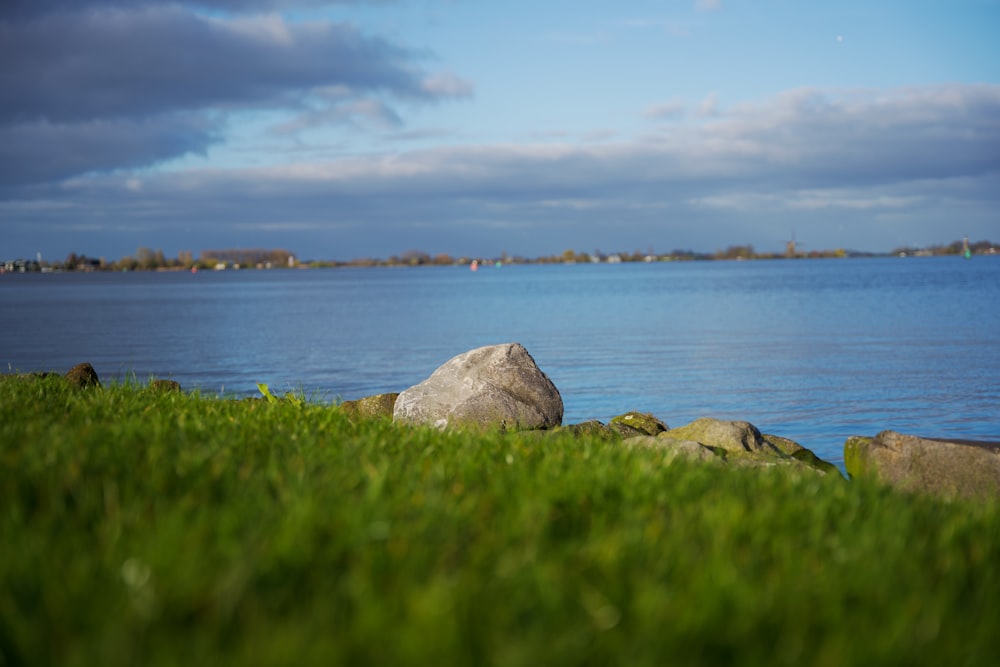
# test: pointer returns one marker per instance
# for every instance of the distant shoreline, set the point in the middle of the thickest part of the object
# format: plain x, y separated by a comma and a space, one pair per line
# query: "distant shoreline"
240, 258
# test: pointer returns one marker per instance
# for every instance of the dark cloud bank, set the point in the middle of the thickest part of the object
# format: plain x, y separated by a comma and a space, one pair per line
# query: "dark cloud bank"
96, 86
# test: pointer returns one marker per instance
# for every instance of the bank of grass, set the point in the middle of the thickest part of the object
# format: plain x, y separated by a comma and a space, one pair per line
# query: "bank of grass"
148, 528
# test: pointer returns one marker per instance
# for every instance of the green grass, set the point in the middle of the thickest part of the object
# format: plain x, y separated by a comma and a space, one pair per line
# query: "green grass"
147, 528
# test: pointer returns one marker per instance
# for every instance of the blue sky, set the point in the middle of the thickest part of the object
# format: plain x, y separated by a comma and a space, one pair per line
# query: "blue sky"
351, 129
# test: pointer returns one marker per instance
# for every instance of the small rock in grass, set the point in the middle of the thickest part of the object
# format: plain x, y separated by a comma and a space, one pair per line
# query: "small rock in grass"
83, 375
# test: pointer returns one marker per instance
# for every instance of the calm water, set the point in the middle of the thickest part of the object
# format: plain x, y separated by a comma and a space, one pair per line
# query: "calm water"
812, 350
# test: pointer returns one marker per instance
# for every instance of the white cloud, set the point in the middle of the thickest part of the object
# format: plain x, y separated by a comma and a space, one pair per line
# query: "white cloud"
447, 84
709, 106
671, 110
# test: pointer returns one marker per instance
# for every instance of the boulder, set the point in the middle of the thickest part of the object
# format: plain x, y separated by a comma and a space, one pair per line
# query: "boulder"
948, 468
800, 453
82, 375
641, 422
732, 436
592, 428
370, 407
674, 448
742, 444
493, 387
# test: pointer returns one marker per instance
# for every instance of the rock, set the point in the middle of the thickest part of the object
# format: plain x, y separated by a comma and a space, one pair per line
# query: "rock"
644, 423
592, 428
623, 430
498, 386
800, 453
947, 468
165, 385
742, 444
675, 448
370, 407
83, 375
737, 437
784, 445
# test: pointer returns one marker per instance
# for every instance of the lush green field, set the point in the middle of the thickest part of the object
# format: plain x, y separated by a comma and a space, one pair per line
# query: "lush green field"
148, 528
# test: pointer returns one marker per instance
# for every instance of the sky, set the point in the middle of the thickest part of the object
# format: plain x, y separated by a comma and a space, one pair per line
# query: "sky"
369, 128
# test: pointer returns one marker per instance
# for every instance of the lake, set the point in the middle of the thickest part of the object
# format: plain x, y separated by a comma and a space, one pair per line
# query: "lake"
813, 350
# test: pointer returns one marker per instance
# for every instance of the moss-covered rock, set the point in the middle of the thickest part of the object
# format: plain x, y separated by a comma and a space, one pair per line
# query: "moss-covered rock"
799, 453
370, 407
740, 443
856, 456
642, 422
674, 448
592, 428
783, 445
738, 437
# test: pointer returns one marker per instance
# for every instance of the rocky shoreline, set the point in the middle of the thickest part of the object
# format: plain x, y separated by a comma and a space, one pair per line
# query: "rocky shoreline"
500, 387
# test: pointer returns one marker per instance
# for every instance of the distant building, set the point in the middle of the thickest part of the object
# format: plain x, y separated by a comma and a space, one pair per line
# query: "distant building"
21, 265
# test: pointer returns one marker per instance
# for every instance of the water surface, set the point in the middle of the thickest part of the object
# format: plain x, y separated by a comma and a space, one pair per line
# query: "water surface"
813, 350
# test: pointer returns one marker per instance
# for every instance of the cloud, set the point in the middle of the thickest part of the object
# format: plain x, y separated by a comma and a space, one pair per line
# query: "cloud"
40, 150
708, 5
144, 68
446, 84
709, 106
339, 108
914, 154
26, 8
136, 63
671, 110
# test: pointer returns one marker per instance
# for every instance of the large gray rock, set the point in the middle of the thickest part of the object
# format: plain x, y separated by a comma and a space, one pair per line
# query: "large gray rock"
498, 386
949, 468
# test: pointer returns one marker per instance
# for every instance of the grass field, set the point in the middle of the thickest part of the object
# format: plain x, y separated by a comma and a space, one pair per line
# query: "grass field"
154, 528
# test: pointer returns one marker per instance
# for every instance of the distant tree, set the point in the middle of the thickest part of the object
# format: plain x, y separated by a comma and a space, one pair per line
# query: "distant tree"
146, 258
736, 252
128, 264
415, 257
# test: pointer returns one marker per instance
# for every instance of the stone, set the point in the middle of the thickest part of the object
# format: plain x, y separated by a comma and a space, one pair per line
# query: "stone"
946, 468
591, 428
165, 386
675, 448
734, 436
800, 453
493, 387
370, 407
784, 445
741, 444
643, 422
83, 375
623, 430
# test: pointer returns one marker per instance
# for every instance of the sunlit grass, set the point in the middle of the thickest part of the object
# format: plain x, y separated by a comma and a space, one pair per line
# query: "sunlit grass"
145, 527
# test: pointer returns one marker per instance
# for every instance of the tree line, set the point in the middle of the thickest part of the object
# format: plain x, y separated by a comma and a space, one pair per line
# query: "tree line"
148, 259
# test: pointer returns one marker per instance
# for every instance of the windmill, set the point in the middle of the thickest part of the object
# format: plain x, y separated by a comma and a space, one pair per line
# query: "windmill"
791, 248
